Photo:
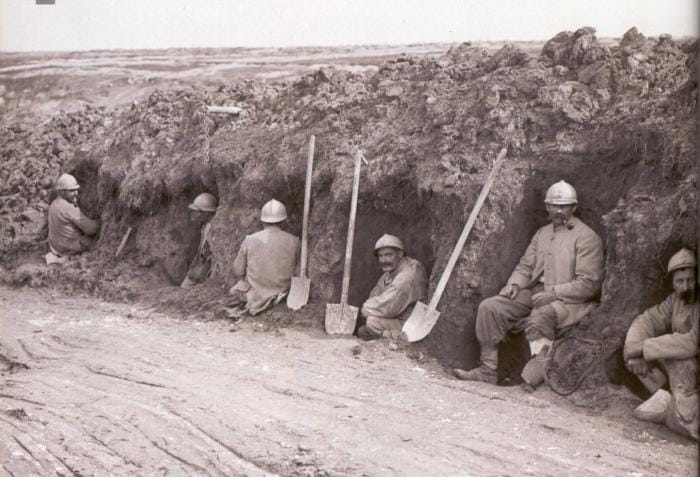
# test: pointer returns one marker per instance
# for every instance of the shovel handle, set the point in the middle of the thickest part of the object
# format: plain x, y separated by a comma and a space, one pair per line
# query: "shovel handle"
123, 242
351, 230
307, 202
437, 294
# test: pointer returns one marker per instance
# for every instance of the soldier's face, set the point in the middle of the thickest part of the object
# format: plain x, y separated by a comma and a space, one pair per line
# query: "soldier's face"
70, 195
684, 284
560, 214
200, 217
389, 258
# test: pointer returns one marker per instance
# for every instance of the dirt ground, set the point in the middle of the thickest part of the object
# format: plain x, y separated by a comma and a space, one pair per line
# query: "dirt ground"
97, 388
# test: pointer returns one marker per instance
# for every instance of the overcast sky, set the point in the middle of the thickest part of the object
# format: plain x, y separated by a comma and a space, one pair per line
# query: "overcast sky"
98, 24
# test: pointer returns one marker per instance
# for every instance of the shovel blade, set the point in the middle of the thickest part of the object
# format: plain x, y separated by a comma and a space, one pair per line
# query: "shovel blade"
298, 293
420, 322
340, 319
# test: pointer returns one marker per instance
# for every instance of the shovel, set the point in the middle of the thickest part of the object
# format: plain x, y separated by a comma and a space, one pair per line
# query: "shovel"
423, 317
299, 289
340, 319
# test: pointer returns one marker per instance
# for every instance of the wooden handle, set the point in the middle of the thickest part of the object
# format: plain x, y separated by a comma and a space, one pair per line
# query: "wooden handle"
123, 242
224, 109
351, 230
307, 201
437, 294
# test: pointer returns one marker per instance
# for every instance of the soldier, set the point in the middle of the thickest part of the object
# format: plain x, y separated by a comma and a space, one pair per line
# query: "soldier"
265, 264
552, 286
663, 341
70, 231
391, 301
203, 209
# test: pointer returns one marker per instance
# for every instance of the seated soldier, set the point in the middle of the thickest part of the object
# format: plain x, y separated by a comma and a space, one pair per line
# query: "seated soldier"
203, 209
264, 265
391, 301
70, 231
663, 341
553, 286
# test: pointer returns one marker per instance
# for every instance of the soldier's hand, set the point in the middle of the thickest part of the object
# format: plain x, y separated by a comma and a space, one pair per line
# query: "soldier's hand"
543, 298
637, 366
510, 291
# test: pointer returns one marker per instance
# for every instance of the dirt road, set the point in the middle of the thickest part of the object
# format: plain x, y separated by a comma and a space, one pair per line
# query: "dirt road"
96, 388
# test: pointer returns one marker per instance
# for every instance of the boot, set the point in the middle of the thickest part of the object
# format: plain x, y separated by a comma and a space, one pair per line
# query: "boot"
655, 409
486, 372
367, 334
482, 373
533, 372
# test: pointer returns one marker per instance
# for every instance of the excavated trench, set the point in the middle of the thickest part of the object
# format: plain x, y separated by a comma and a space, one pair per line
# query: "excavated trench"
430, 222
430, 130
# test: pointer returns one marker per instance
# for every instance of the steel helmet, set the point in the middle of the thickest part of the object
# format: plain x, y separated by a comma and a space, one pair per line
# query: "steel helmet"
204, 202
684, 258
561, 193
387, 240
67, 182
273, 212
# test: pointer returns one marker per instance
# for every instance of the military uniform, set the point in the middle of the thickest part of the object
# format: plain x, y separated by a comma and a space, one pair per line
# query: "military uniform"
69, 228
567, 261
200, 268
391, 300
266, 261
669, 333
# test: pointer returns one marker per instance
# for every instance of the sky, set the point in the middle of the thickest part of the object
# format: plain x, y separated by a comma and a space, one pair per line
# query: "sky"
134, 24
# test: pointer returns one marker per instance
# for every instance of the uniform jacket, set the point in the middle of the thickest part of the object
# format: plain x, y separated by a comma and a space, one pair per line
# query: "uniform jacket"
200, 268
67, 224
669, 330
266, 262
569, 262
396, 291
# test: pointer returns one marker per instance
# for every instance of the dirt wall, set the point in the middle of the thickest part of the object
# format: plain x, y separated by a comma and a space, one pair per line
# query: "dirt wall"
616, 122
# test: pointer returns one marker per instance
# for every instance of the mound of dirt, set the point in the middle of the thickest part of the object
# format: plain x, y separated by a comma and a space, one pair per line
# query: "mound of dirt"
618, 122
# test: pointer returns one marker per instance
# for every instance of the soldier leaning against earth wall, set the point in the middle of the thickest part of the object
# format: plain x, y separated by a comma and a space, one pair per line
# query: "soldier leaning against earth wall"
71, 232
552, 287
661, 349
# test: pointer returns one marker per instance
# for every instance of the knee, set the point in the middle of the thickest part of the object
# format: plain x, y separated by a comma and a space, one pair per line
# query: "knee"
488, 307
541, 323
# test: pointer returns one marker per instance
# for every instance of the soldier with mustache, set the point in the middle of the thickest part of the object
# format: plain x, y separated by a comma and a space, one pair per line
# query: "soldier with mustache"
391, 301
552, 287
662, 346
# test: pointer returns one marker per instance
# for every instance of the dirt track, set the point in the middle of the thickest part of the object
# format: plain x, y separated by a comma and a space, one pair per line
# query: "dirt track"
113, 389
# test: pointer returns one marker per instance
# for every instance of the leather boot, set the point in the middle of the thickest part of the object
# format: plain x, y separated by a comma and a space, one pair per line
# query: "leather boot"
533, 372
486, 372
367, 334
